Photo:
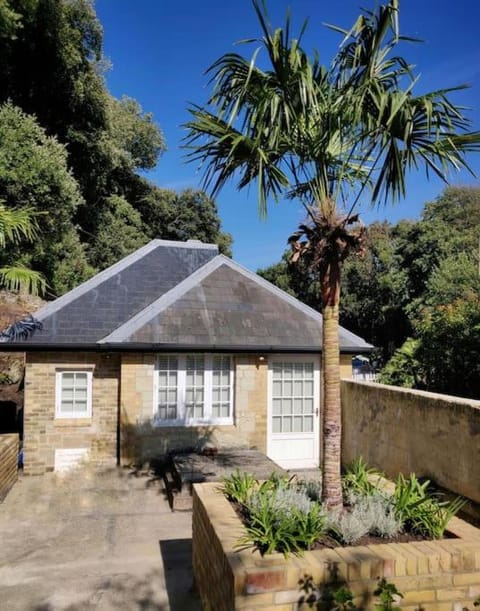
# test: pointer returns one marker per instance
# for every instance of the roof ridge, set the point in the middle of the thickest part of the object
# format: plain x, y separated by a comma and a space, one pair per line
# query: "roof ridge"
197, 244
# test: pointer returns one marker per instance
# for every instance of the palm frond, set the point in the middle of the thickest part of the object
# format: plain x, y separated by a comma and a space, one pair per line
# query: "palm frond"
320, 133
16, 278
16, 223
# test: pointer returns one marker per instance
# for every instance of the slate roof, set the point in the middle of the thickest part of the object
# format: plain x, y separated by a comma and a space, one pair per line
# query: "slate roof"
179, 296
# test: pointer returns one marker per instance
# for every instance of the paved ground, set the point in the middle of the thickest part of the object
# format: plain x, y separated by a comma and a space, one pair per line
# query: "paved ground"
98, 541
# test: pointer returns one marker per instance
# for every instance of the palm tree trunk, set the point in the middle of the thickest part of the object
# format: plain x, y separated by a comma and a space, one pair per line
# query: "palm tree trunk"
332, 415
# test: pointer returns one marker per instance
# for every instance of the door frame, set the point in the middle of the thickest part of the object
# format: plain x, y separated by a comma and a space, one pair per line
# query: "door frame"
317, 398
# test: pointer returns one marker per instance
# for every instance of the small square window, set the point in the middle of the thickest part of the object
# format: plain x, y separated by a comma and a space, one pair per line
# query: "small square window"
73, 394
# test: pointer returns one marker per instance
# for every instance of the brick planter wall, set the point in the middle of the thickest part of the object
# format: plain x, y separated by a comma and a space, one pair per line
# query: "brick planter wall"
8, 463
436, 576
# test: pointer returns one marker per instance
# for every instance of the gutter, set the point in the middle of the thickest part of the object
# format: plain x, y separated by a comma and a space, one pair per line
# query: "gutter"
150, 347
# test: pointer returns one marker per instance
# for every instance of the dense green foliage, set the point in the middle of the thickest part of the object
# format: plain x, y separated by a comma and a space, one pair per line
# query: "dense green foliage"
415, 295
34, 174
287, 515
69, 149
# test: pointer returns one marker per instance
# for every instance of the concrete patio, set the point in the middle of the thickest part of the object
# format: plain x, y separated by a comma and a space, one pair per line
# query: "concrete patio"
94, 540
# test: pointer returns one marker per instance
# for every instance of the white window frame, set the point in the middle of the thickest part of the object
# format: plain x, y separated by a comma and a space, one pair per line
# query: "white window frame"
58, 395
181, 419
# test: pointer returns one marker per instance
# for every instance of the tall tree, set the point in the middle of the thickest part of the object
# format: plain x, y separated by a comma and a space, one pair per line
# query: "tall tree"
52, 66
323, 135
34, 175
190, 214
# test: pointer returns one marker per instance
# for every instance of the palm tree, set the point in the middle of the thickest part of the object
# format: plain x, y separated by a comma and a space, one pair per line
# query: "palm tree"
16, 224
326, 136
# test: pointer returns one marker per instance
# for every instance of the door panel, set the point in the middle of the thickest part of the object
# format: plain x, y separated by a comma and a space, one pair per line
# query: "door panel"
293, 411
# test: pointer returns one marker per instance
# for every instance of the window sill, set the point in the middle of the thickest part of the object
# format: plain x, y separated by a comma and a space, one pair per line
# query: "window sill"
59, 421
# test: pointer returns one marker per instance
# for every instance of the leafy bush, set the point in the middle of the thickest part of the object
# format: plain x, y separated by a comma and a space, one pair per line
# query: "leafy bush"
283, 519
374, 515
358, 478
421, 512
286, 515
347, 526
388, 595
238, 486
312, 488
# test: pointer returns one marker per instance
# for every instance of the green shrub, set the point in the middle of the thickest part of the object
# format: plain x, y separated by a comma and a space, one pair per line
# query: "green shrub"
312, 488
358, 478
421, 512
238, 486
285, 515
387, 593
283, 520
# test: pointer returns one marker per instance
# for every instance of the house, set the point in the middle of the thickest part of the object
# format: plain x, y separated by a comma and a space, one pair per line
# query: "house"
173, 346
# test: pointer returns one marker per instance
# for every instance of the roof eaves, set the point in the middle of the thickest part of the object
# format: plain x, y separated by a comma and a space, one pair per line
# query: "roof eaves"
153, 347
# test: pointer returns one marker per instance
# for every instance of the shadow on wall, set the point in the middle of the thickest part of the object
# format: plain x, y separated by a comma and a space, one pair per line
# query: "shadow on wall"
146, 443
334, 594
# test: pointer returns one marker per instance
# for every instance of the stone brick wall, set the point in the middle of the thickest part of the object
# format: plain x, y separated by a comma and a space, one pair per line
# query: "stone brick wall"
8, 462
43, 434
435, 576
410, 431
141, 440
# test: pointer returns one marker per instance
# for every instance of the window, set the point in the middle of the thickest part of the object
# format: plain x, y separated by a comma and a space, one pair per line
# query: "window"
73, 394
194, 389
292, 397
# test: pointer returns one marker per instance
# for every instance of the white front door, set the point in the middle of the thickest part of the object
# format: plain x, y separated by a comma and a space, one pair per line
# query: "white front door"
293, 411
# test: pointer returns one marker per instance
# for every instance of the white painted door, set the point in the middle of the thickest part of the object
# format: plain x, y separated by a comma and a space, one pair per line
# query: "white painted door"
293, 411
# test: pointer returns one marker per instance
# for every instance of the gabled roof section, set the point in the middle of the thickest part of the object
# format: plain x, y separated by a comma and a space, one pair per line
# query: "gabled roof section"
94, 309
222, 305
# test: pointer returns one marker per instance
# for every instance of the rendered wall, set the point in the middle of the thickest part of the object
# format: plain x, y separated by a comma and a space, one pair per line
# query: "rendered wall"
410, 431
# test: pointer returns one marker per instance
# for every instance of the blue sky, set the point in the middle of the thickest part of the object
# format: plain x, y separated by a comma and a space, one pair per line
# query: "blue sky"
159, 50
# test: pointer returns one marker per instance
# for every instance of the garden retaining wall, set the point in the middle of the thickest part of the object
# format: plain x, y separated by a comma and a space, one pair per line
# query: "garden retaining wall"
400, 430
9, 445
435, 576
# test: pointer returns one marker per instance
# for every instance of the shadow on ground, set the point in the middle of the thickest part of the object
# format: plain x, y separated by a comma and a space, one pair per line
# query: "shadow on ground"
181, 593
